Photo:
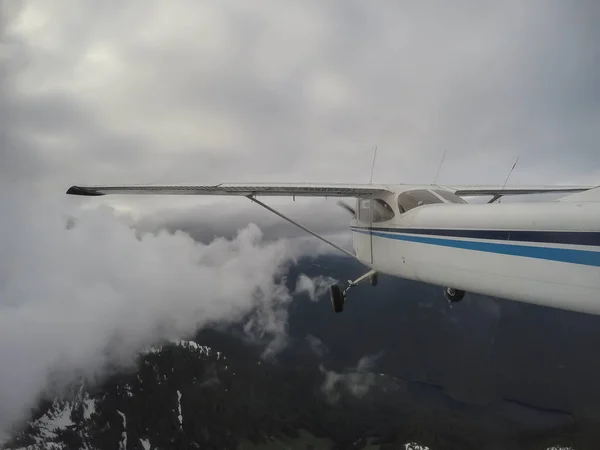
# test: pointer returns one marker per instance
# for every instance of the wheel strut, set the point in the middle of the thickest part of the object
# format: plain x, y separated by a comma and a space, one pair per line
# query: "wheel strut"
338, 297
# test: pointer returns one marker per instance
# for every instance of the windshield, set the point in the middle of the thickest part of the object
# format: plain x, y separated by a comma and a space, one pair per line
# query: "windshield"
449, 196
418, 197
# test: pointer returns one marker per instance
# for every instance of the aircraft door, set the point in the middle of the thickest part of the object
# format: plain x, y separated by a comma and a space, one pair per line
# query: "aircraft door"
363, 239
371, 231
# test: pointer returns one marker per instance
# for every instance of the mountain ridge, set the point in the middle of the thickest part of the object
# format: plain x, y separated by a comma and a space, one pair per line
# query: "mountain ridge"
399, 365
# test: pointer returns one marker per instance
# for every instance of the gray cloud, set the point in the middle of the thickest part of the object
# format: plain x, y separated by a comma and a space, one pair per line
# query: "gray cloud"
81, 290
204, 222
180, 92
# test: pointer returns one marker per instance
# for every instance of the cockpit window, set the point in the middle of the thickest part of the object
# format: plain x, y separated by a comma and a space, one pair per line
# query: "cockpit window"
447, 195
375, 210
381, 211
411, 199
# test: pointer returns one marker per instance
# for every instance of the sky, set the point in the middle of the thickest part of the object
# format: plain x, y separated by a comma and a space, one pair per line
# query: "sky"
186, 91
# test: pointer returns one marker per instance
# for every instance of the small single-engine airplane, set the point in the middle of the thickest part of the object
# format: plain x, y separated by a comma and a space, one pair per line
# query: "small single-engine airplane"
546, 252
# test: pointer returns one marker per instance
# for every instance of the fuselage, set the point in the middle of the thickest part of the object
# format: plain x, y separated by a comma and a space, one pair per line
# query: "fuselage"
546, 253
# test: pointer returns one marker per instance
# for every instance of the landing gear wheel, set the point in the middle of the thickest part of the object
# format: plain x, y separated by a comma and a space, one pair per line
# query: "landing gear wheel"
373, 279
337, 298
454, 295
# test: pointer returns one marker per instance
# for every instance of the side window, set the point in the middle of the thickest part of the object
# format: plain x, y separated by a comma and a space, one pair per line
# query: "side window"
411, 199
381, 211
375, 210
452, 198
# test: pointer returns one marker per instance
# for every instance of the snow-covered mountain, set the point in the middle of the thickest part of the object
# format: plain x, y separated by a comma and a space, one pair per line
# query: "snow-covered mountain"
446, 378
89, 417
184, 395
62, 416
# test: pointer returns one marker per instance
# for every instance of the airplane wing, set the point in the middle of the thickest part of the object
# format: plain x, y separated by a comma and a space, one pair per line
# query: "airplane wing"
242, 189
476, 190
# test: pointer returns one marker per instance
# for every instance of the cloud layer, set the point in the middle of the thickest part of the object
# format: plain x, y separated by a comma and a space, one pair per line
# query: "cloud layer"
80, 289
151, 92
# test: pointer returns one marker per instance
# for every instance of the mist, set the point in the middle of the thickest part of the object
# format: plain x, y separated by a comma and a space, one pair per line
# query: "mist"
315, 288
357, 380
82, 290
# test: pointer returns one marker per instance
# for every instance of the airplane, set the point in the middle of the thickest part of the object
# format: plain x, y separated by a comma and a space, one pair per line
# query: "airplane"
543, 252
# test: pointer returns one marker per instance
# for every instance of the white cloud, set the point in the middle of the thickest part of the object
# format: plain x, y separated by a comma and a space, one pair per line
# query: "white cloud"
315, 287
79, 289
357, 381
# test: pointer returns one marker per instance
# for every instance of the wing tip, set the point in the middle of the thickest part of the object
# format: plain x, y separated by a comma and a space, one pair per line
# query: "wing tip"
78, 190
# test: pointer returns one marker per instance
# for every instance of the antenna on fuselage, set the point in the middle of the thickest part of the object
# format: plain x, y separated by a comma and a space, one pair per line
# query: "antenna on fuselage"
373, 165
508, 176
510, 173
440, 167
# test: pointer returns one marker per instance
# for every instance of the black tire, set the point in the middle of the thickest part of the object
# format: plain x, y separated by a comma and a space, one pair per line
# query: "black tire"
337, 298
374, 279
454, 295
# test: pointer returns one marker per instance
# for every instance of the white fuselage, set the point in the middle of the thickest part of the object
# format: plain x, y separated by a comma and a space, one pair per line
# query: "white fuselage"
545, 253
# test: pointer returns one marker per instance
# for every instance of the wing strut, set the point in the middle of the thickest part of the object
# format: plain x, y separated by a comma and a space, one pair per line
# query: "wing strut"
337, 247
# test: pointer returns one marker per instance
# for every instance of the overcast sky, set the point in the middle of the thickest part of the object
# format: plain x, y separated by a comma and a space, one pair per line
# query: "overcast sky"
143, 91
188, 91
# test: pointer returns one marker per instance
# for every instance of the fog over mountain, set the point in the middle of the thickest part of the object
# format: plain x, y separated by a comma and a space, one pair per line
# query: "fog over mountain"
82, 290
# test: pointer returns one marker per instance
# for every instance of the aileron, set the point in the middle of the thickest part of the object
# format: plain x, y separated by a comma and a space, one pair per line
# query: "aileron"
515, 190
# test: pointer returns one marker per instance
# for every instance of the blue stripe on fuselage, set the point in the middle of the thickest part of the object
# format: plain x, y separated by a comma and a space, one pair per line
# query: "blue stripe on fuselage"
542, 236
574, 256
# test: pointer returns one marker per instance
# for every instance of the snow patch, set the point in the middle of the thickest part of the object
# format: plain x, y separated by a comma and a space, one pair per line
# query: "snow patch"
179, 408
151, 349
90, 408
414, 446
191, 345
60, 421
123, 443
57, 418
